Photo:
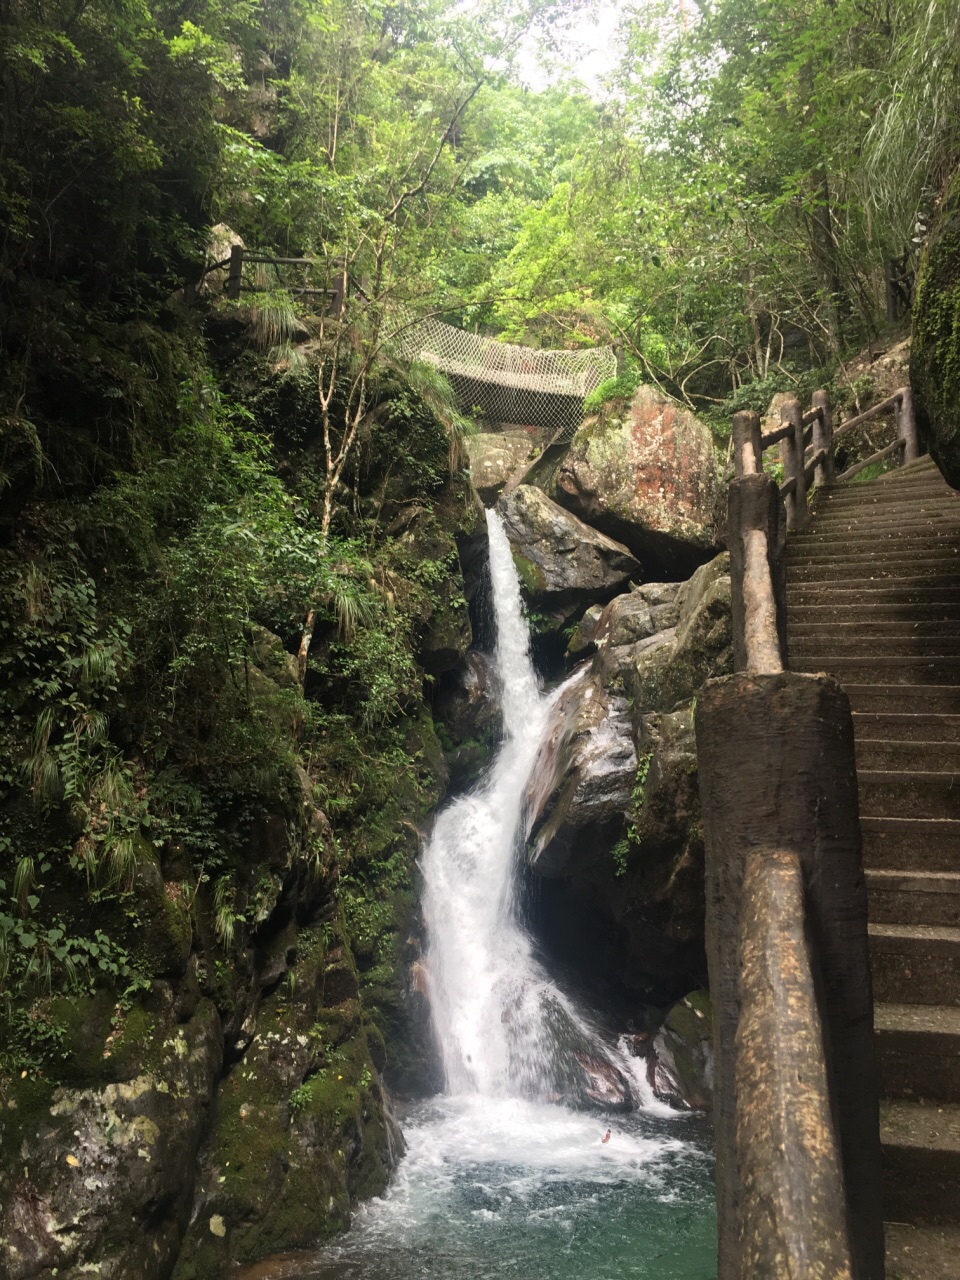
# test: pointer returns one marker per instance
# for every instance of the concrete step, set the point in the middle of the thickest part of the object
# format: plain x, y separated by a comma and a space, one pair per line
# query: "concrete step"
903, 753
927, 844
921, 1162
868, 645
908, 669
832, 631
857, 593
834, 553
932, 573
934, 794
915, 963
874, 696
908, 896
918, 1051
898, 614
921, 1251
923, 727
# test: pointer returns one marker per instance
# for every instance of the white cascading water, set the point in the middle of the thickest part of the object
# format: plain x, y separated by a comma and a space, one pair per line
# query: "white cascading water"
498, 1182
505, 1029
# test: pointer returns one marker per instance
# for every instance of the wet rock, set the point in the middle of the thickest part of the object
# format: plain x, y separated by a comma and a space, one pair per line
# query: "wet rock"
582, 776
935, 351
301, 1129
564, 565
105, 1174
648, 478
680, 1056
664, 676
467, 710
602, 1085
495, 456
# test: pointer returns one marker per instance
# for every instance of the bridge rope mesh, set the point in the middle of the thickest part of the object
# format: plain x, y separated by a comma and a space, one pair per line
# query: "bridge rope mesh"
504, 382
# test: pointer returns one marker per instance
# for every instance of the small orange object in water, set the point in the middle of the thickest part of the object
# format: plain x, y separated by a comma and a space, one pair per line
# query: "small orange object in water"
606, 1137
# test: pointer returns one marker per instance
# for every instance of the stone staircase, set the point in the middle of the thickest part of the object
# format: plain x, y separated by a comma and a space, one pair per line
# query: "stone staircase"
874, 598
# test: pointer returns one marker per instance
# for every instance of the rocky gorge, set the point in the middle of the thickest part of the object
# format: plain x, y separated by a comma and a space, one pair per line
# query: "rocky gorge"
231, 1099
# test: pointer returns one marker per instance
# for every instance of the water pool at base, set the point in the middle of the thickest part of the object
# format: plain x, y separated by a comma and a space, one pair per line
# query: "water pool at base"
496, 1189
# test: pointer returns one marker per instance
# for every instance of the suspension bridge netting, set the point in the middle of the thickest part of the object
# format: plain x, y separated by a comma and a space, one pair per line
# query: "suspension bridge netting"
506, 382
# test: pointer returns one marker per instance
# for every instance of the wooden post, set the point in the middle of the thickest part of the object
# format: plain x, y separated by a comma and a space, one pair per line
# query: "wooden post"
826, 472
747, 450
791, 455
757, 542
791, 784
907, 426
793, 1203
235, 273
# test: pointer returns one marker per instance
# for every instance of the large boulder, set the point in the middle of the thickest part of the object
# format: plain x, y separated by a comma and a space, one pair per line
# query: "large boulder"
679, 1056
648, 477
935, 351
495, 456
582, 777
613, 820
564, 565
665, 677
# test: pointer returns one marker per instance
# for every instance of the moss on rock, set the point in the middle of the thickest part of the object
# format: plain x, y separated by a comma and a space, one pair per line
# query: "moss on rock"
935, 350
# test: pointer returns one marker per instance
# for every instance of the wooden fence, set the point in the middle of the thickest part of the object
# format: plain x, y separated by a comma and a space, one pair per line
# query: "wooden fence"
796, 1113
237, 282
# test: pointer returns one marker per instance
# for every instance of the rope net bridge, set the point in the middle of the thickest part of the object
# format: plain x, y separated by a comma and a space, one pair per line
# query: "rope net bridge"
504, 383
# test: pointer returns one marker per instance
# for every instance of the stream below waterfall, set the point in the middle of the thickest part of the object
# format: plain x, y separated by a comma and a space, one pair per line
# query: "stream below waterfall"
508, 1174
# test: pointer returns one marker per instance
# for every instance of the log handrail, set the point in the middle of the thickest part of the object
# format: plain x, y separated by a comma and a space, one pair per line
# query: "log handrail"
796, 1113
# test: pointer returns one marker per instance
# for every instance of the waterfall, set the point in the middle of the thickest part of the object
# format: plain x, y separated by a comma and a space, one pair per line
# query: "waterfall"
505, 1028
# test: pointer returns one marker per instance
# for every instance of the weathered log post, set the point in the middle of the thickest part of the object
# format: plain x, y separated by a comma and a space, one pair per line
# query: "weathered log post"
907, 426
757, 541
776, 766
747, 447
791, 455
234, 273
780, 1057
826, 472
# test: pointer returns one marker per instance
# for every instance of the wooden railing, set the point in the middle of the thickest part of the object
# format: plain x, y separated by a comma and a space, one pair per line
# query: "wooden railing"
796, 1114
807, 443
236, 282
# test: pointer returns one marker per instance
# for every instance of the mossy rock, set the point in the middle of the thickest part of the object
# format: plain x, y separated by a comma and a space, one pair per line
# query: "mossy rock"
935, 348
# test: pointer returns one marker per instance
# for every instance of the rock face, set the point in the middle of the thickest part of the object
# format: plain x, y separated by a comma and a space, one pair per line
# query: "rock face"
563, 564
935, 351
109, 1175
613, 816
679, 1056
467, 710
496, 455
582, 777
648, 478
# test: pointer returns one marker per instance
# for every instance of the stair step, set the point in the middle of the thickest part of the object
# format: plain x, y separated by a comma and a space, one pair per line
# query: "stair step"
924, 558
913, 794
936, 490
928, 613
855, 592
918, 1051
867, 645
930, 844
931, 573
915, 963
923, 727
921, 1161
872, 551
921, 1251
908, 896
834, 631
907, 669
900, 754
870, 695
